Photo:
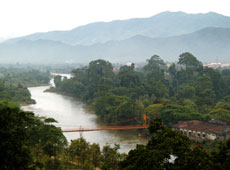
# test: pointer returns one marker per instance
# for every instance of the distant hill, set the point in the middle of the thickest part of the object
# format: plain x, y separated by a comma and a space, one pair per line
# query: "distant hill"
207, 44
161, 25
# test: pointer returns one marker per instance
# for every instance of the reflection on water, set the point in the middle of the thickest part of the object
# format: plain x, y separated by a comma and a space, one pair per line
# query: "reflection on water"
70, 113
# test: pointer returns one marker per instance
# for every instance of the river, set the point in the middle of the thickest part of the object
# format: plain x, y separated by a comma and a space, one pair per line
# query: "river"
70, 113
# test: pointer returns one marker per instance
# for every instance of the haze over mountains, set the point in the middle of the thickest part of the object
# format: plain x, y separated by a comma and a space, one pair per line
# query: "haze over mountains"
167, 34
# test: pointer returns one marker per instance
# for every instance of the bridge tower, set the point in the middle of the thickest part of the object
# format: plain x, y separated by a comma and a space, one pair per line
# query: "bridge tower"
145, 119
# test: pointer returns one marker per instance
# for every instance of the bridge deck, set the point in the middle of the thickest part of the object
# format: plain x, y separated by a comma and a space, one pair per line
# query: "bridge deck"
106, 128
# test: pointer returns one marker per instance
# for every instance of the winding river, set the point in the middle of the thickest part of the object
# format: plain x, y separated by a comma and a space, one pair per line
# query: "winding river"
70, 113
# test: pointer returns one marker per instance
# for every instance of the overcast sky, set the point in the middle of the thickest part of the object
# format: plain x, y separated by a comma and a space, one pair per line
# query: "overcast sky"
22, 17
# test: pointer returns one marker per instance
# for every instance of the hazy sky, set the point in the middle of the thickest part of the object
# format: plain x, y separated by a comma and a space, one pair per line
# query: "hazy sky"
22, 17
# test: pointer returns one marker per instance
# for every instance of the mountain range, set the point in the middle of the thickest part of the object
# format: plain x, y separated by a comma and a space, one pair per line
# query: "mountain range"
167, 34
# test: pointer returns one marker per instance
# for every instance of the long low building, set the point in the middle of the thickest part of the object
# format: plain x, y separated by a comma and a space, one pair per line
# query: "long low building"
198, 130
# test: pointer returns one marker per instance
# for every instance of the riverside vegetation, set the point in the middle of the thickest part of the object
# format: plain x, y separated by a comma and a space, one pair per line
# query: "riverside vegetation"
184, 91
14, 83
30, 142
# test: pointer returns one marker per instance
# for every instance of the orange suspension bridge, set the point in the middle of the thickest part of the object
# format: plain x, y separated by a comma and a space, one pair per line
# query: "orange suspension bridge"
144, 126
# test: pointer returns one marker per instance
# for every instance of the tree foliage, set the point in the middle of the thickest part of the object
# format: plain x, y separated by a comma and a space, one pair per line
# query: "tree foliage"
186, 90
172, 150
24, 137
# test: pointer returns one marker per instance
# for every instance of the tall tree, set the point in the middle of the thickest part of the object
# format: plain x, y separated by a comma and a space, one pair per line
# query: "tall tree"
14, 151
189, 60
99, 72
222, 155
159, 150
79, 148
155, 63
167, 149
110, 157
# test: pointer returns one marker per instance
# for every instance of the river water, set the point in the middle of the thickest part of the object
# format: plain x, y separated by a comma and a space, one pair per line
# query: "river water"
70, 113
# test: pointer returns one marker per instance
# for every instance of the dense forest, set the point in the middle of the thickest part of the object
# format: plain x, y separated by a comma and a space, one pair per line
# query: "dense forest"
31, 142
185, 90
171, 150
14, 83
25, 77
182, 91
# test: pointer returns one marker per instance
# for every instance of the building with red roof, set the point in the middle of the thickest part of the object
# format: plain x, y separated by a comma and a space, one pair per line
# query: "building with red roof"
198, 130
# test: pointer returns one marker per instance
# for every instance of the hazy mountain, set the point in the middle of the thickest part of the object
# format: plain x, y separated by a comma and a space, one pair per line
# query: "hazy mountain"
41, 51
207, 44
161, 25
2, 39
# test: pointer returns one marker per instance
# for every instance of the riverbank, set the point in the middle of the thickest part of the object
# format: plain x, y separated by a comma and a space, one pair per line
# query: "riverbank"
144, 133
38, 85
72, 113
28, 103
32, 101
54, 90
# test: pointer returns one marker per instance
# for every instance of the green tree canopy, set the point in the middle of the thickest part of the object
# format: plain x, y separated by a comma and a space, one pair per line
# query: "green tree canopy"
189, 60
14, 152
167, 149
155, 63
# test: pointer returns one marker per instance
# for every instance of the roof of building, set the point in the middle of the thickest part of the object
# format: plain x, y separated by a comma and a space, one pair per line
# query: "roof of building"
200, 126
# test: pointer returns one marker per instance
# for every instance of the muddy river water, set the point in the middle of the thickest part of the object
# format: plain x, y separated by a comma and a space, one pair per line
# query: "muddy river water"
71, 113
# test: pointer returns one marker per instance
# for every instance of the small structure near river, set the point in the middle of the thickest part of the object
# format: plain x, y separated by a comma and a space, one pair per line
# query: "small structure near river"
198, 130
